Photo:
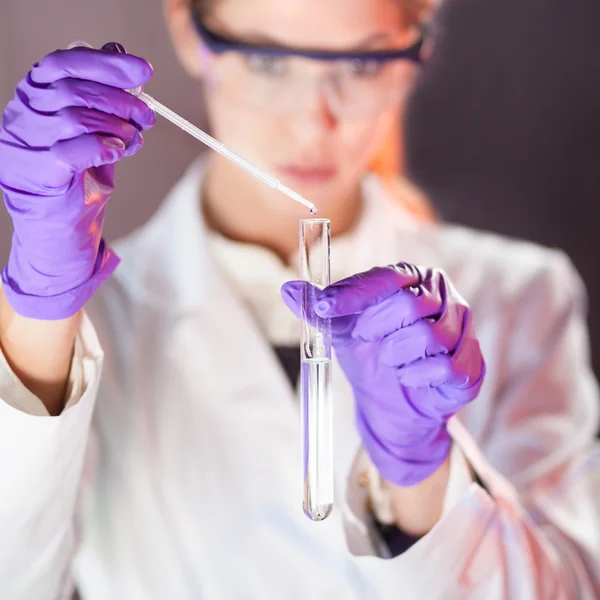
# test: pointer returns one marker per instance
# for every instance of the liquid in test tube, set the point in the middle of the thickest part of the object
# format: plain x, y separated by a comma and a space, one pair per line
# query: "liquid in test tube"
315, 380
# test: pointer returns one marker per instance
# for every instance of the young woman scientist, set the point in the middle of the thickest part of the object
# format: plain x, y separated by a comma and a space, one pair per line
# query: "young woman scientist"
149, 443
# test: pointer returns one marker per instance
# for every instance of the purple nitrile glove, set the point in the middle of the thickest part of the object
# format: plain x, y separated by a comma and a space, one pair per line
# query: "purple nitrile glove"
60, 137
406, 342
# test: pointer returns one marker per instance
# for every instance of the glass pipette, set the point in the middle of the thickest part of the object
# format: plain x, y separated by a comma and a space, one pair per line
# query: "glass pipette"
218, 147
211, 142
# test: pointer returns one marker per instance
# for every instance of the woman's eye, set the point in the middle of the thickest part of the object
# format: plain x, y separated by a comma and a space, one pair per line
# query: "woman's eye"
266, 65
360, 67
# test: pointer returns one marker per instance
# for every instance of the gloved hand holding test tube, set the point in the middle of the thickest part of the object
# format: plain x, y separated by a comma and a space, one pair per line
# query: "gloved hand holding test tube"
202, 136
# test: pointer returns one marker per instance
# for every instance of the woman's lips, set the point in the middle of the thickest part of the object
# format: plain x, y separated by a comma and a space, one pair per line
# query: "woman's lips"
307, 174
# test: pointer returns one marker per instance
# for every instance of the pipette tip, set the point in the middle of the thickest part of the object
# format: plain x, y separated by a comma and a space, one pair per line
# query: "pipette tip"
297, 197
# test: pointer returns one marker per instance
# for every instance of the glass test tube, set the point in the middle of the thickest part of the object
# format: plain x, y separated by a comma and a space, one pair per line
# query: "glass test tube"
315, 381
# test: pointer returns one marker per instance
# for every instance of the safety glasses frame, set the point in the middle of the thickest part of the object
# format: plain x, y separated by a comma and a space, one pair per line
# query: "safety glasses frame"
220, 44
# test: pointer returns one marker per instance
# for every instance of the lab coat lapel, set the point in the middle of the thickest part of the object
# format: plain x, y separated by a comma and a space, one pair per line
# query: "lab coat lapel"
223, 361
218, 336
240, 366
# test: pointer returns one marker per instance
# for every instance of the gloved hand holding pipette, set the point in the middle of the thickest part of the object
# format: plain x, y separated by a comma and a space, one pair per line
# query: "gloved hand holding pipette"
405, 340
61, 136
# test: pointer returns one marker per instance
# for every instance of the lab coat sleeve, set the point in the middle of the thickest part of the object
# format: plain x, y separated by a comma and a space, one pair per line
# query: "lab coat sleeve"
534, 533
41, 461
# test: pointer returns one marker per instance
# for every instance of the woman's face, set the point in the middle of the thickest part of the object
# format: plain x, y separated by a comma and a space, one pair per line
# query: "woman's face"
317, 152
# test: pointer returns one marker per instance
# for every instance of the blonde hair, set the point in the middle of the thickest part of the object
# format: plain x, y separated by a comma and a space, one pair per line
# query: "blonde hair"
416, 11
387, 166
387, 162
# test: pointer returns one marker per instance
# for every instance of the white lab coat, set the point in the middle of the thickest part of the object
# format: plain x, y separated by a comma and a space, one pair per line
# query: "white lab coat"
191, 480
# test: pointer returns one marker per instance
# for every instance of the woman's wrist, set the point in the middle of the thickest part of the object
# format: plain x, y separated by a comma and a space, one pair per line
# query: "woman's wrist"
39, 353
417, 508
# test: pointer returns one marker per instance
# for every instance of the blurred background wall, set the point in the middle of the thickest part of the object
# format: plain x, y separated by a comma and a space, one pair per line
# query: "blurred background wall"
503, 130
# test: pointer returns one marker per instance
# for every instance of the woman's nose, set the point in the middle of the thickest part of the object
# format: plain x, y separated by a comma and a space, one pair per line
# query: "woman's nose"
315, 118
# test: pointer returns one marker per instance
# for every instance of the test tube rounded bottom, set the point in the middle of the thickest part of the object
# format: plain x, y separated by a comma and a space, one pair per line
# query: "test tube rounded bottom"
317, 445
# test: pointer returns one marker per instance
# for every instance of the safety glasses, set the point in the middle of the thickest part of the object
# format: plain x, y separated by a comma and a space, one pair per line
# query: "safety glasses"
284, 80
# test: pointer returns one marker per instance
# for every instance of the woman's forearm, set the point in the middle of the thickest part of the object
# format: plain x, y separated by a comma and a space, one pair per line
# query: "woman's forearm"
39, 353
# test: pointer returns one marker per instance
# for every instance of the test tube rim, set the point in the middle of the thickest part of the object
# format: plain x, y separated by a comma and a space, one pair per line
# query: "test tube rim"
314, 221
